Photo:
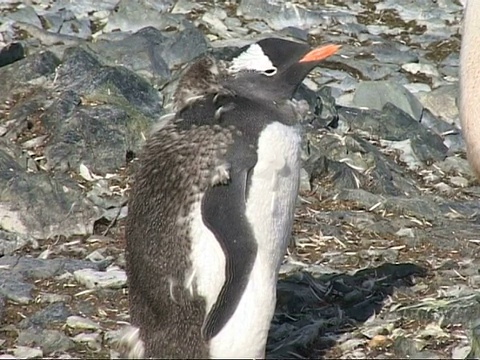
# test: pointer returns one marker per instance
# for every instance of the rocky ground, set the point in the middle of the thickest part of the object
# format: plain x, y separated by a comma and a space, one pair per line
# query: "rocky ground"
384, 260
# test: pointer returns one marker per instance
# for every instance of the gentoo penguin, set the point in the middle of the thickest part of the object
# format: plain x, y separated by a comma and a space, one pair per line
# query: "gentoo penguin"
211, 208
470, 83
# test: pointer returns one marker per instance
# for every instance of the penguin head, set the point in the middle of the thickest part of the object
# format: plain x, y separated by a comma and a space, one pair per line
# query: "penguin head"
274, 68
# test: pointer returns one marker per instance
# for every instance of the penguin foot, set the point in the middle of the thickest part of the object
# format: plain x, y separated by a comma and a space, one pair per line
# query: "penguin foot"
129, 343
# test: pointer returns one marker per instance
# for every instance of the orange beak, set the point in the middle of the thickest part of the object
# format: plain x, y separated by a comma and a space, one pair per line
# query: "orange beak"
320, 53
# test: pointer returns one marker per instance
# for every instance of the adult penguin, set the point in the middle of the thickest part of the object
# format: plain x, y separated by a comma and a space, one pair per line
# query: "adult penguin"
211, 209
470, 83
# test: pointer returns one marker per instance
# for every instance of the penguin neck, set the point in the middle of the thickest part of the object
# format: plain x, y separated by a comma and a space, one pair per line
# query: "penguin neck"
259, 87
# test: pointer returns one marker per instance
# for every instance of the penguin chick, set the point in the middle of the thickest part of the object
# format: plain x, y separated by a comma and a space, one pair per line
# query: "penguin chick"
201, 78
211, 208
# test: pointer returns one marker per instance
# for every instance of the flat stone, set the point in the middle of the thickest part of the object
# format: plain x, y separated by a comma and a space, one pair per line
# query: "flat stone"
113, 278
375, 94
25, 352
10, 242
48, 340
132, 16
14, 288
280, 15
45, 268
11, 53
57, 209
415, 68
26, 14
93, 340
442, 102
51, 314
78, 322
17, 74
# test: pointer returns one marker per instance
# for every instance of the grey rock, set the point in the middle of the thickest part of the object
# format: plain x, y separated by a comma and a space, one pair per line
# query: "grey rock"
10, 242
54, 313
459, 181
83, 73
2, 308
113, 278
407, 348
442, 102
416, 87
375, 94
93, 340
393, 53
40, 206
45, 268
428, 70
131, 16
79, 28
323, 112
185, 6
53, 21
125, 106
456, 165
395, 125
304, 181
420, 208
48, 340
39, 36
26, 14
279, 14
78, 8
451, 134
25, 352
15, 76
328, 160
364, 198
11, 53
148, 61
151, 52
49, 298
108, 129
14, 288
461, 351
366, 70
78, 322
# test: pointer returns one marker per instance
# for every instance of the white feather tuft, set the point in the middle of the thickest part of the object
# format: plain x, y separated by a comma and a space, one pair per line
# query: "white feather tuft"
130, 344
252, 59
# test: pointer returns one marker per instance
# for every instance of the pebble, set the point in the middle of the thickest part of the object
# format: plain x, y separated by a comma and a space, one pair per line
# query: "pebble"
78, 322
416, 68
459, 181
25, 352
113, 278
93, 340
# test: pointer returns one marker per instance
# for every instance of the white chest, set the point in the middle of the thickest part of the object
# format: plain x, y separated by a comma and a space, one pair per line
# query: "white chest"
270, 207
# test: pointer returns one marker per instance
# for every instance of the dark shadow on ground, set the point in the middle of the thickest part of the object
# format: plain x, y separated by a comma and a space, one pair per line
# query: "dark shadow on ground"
311, 311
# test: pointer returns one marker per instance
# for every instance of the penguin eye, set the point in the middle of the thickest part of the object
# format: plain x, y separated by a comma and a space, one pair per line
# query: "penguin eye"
270, 72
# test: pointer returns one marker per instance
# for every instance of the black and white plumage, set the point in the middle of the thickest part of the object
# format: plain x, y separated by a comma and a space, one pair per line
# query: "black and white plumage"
212, 206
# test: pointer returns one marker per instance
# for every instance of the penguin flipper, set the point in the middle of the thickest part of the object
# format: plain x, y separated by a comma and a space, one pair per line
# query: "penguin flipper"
223, 209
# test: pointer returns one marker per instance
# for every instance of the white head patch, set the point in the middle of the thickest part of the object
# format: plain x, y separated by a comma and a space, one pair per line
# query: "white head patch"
253, 59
